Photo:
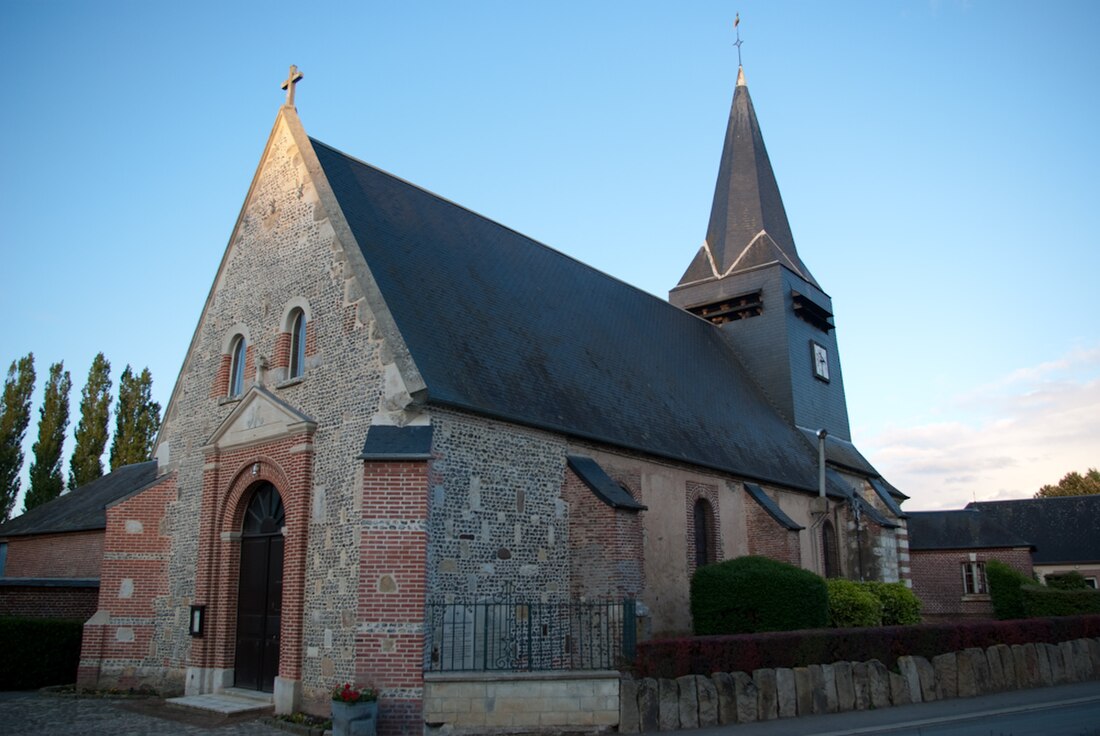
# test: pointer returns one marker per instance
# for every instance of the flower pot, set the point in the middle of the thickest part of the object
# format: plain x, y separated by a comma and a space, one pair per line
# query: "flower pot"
354, 719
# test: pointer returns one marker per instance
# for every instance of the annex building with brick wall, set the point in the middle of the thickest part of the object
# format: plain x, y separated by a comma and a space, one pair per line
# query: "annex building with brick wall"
393, 406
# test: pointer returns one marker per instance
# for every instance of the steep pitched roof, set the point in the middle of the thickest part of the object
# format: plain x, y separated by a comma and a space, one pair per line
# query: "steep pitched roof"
748, 224
959, 529
503, 326
1063, 530
83, 509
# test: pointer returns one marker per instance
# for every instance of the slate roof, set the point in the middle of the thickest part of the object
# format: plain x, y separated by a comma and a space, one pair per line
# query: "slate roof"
959, 529
83, 509
503, 326
1063, 529
397, 443
746, 203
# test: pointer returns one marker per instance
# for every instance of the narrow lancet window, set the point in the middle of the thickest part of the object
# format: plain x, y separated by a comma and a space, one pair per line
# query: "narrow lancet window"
236, 366
298, 344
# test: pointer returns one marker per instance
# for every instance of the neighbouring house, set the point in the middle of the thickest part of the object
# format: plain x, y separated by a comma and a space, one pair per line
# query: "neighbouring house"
51, 556
948, 552
1064, 530
397, 419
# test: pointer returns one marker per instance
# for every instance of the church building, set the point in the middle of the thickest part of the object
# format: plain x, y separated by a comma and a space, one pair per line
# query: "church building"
393, 406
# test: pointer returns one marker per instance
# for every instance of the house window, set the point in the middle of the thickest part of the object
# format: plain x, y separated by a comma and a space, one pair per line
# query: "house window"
828, 545
1091, 582
974, 582
703, 520
298, 344
4, 558
236, 366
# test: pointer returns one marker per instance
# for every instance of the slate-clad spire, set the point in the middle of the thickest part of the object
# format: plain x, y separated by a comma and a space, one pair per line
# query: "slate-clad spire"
748, 225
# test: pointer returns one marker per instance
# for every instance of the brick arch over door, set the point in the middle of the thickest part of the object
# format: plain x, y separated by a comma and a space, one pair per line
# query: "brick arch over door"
225, 501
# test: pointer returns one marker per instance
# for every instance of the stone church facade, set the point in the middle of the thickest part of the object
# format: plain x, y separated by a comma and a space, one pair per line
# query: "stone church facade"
390, 402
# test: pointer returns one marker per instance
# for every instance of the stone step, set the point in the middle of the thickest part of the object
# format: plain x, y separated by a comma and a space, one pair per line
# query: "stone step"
229, 702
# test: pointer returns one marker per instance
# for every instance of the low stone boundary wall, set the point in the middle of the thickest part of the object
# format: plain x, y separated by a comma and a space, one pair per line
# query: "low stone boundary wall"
484, 702
693, 701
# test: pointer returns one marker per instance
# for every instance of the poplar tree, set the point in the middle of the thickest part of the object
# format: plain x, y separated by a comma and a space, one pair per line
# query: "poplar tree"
47, 482
15, 415
91, 431
137, 419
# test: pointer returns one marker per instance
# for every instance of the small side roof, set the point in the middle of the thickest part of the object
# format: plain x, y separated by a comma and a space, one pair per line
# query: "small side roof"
1064, 529
83, 509
959, 529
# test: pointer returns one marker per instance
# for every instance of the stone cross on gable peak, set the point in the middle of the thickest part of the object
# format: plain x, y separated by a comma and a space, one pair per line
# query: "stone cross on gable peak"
292, 79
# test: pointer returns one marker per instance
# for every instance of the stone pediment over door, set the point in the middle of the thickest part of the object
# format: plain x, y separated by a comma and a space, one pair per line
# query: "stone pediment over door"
260, 417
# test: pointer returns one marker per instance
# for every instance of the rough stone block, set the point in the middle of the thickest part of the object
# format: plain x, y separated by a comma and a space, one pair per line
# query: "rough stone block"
727, 697
707, 695
649, 705
1046, 670
767, 696
1082, 663
968, 677
996, 670
1066, 648
748, 698
946, 669
629, 722
861, 684
1027, 665
899, 690
688, 702
1008, 666
821, 684
879, 679
907, 666
845, 687
1057, 664
832, 700
786, 695
803, 691
669, 704
1094, 656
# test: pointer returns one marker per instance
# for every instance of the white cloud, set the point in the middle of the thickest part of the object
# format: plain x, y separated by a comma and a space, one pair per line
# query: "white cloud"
1006, 440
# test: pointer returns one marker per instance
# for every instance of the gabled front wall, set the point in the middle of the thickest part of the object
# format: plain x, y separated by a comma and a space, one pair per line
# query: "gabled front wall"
938, 581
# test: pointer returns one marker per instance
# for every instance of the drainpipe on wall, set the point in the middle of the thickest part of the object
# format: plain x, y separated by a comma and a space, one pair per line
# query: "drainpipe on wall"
819, 507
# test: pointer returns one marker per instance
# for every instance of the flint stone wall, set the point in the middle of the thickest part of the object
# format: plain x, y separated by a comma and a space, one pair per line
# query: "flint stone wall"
740, 697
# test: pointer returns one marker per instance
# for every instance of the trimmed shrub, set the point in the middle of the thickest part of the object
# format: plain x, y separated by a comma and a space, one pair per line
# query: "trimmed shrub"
1071, 580
751, 594
747, 652
1042, 601
38, 652
900, 605
1005, 592
852, 605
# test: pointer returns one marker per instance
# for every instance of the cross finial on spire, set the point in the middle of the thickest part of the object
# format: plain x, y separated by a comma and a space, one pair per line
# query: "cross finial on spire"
737, 43
292, 79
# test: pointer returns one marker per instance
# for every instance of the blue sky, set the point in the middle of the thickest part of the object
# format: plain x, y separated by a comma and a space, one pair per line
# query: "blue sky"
938, 162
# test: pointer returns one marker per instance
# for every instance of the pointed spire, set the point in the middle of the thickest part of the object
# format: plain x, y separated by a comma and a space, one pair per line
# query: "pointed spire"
748, 225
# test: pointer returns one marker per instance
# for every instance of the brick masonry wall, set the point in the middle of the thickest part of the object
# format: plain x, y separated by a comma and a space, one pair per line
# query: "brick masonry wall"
938, 581
77, 603
71, 555
769, 538
707, 492
605, 544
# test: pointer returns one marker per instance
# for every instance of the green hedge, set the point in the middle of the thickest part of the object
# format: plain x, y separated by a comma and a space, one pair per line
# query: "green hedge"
38, 651
852, 605
1005, 592
1071, 580
751, 594
900, 605
1042, 601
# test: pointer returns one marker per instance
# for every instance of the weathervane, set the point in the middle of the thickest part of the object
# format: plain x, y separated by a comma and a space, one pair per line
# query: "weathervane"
737, 43
292, 79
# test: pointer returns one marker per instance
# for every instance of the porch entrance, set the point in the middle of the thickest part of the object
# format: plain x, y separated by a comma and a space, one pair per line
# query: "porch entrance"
260, 592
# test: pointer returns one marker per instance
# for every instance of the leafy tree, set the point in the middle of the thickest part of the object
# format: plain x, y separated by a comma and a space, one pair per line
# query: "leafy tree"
137, 419
1073, 484
47, 481
91, 431
15, 415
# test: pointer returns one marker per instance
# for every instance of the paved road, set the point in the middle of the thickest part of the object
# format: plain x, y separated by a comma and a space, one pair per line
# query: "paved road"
35, 714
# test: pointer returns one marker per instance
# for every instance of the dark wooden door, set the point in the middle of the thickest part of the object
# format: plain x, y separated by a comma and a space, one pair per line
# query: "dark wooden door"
260, 594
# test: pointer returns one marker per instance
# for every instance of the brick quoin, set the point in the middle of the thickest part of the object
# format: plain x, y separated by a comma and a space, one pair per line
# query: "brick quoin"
389, 648
220, 385
938, 581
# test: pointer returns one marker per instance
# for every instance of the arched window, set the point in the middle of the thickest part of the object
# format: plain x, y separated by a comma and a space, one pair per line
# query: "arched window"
265, 514
703, 520
828, 546
298, 344
236, 366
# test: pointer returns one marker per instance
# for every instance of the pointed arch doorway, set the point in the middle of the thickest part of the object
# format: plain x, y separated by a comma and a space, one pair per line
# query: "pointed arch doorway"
260, 591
